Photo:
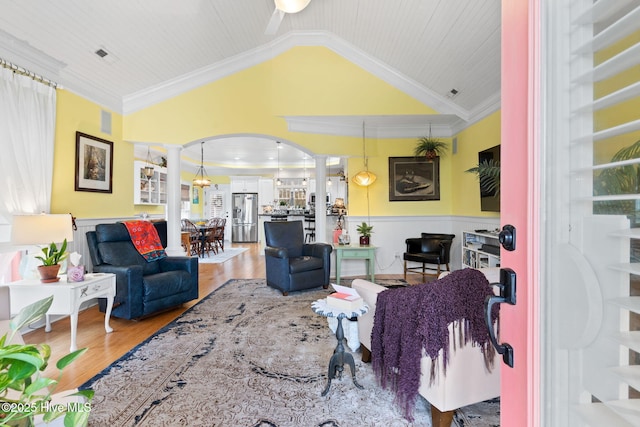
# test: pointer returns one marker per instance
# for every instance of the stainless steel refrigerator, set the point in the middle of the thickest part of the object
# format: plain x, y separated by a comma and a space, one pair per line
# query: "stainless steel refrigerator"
244, 222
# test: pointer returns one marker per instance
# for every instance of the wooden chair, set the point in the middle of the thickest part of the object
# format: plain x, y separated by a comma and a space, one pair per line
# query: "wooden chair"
195, 236
219, 233
210, 241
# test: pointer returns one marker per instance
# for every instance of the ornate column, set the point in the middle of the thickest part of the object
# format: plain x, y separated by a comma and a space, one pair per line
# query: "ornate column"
174, 248
321, 195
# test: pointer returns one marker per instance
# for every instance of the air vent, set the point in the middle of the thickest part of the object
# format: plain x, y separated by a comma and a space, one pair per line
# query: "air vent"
102, 53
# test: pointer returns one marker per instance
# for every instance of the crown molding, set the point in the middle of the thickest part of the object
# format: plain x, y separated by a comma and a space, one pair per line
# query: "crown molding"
205, 75
23, 54
381, 127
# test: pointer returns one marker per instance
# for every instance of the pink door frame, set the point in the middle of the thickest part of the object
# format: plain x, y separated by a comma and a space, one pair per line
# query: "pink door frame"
520, 402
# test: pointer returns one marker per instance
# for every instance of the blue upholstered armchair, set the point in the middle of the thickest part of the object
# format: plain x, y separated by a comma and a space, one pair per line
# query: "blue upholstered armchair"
142, 287
291, 264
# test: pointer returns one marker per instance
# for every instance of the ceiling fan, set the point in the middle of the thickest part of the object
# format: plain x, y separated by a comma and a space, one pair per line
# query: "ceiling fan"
282, 7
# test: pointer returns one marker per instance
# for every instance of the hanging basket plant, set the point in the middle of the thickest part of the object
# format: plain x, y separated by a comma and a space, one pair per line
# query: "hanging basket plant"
430, 147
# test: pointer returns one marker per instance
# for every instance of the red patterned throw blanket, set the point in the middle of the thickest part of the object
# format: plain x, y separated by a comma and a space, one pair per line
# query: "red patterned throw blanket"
145, 239
414, 320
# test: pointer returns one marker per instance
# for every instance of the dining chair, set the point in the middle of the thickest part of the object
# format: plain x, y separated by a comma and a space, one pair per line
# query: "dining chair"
195, 236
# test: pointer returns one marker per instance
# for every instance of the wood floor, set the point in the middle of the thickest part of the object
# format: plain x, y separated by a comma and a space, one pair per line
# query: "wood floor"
104, 349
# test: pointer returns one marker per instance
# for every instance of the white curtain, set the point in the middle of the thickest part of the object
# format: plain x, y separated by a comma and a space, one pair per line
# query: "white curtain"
27, 128
27, 131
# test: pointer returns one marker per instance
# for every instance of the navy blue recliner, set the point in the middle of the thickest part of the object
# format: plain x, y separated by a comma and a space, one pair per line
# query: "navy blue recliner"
142, 288
291, 264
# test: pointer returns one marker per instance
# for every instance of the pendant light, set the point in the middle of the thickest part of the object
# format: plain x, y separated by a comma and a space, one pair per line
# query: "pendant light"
201, 180
279, 147
148, 167
364, 178
304, 176
329, 183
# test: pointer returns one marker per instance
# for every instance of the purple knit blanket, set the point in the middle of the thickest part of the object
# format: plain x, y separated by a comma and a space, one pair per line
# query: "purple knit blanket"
415, 318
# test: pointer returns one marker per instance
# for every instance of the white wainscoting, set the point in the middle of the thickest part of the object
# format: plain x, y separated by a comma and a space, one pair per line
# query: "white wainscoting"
79, 243
389, 234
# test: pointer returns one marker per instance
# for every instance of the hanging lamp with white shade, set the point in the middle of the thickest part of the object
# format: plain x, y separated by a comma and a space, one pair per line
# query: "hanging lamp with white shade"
201, 180
364, 178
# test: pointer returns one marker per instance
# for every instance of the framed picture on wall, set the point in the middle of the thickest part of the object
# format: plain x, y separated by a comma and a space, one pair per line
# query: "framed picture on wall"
414, 179
196, 196
94, 164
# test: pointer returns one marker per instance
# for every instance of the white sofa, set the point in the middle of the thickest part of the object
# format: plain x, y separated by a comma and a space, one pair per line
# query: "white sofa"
467, 380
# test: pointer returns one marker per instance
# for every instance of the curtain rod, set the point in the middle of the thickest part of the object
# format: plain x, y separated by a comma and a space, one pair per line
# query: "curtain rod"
24, 72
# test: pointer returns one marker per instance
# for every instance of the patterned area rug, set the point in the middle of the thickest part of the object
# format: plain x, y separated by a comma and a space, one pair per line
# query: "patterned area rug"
244, 356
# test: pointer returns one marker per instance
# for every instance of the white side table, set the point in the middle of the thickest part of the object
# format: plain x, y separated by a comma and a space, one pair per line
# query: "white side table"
67, 297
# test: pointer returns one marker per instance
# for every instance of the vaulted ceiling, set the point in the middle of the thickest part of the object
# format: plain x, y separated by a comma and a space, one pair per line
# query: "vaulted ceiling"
428, 48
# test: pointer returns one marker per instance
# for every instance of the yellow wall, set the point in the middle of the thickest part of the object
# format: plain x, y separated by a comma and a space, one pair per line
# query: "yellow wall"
74, 113
302, 81
378, 192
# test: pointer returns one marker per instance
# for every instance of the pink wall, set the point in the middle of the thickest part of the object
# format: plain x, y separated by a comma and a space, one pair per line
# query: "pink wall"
520, 385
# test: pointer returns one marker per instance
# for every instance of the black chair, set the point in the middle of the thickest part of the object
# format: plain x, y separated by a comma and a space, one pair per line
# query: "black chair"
429, 248
292, 264
142, 288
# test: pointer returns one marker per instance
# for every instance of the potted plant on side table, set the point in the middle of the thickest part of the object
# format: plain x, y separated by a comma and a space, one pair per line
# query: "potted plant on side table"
25, 395
364, 230
51, 258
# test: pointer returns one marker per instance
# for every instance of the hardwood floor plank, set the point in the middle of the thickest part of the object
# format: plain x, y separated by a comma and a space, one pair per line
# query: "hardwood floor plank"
104, 349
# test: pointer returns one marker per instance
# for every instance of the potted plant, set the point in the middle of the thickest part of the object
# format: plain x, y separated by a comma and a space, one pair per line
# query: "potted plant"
52, 255
430, 148
364, 230
22, 385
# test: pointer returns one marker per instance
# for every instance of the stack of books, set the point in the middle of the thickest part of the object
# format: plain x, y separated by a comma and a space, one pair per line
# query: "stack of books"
345, 299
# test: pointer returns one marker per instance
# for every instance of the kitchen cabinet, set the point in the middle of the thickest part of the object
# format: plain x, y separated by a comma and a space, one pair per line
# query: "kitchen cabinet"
244, 184
149, 191
266, 195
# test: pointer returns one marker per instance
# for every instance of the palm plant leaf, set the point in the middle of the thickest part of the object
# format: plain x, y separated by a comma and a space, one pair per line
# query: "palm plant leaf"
488, 172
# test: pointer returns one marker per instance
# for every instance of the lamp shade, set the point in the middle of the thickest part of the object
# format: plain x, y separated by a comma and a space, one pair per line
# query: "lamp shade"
364, 178
41, 229
291, 6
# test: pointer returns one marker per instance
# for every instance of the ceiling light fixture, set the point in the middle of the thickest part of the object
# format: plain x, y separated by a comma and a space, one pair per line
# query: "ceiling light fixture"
364, 178
329, 183
304, 176
148, 167
278, 182
201, 180
291, 6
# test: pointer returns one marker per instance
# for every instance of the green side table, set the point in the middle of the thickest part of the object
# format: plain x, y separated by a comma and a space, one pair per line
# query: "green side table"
355, 252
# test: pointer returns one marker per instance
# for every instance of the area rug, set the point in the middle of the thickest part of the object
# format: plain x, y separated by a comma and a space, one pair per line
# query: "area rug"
244, 356
221, 256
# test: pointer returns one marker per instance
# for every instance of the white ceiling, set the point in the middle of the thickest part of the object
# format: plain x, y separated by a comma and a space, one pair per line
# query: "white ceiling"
158, 47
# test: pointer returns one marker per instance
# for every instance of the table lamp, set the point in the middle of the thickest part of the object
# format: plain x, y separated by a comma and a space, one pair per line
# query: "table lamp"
39, 230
